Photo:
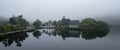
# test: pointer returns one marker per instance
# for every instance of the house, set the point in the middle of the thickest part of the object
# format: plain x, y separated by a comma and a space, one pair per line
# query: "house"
74, 23
70, 23
65, 22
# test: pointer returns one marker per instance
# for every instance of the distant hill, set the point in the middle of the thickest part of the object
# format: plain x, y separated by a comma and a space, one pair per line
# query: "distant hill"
3, 20
112, 20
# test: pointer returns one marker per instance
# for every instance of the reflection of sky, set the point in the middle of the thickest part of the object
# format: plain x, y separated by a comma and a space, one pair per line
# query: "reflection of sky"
55, 9
46, 42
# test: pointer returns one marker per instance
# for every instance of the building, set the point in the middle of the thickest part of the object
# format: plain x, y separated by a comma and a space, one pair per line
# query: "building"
74, 23
65, 22
70, 23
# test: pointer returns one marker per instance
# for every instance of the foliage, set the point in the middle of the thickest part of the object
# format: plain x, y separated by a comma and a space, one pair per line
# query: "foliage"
37, 34
16, 39
88, 23
18, 21
54, 23
91, 24
1, 29
18, 27
102, 25
92, 28
37, 23
15, 23
72, 29
9, 27
92, 34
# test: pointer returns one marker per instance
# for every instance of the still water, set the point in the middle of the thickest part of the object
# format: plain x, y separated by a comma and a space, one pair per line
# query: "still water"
50, 39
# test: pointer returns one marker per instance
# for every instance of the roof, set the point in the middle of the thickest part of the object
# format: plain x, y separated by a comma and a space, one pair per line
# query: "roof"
74, 22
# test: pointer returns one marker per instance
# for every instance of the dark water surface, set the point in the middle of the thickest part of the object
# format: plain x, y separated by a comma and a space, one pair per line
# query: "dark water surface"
50, 39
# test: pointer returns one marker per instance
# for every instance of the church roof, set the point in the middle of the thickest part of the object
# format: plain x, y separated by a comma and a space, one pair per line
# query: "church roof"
74, 22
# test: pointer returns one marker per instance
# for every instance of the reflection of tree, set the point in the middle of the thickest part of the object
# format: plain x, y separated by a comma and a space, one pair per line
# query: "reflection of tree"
54, 33
36, 34
50, 32
63, 33
94, 34
17, 38
1, 38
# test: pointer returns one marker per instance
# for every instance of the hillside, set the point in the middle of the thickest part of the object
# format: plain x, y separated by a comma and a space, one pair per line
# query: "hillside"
3, 20
112, 20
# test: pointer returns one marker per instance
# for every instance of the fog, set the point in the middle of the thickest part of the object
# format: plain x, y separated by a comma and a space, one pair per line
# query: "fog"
54, 9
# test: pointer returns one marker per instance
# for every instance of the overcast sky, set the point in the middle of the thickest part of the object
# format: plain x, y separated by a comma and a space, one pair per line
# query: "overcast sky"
54, 9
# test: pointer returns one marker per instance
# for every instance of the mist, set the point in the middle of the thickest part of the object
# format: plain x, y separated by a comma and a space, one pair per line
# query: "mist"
55, 9
25, 32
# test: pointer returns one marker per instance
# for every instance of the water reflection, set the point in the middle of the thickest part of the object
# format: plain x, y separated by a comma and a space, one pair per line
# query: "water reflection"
85, 34
64, 33
69, 33
50, 32
89, 35
18, 38
37, 34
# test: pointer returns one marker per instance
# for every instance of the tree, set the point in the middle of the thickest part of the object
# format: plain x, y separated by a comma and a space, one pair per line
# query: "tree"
54, 23
37, 23
92, 28
18, 21
1, 29
22, 22
59, 23
102, 24
88, 24
49, 23
9, 27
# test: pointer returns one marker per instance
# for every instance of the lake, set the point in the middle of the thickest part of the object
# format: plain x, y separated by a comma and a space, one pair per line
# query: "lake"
50, 39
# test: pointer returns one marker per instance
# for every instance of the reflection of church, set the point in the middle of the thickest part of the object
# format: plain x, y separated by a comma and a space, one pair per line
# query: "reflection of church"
64, 34
87, 35
70, 34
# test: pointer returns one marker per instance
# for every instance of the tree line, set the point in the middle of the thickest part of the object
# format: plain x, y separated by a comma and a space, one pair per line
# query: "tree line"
17, 23
20, 23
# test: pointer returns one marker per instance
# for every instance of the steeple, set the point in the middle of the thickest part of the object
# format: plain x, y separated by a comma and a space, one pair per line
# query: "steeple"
63, 18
